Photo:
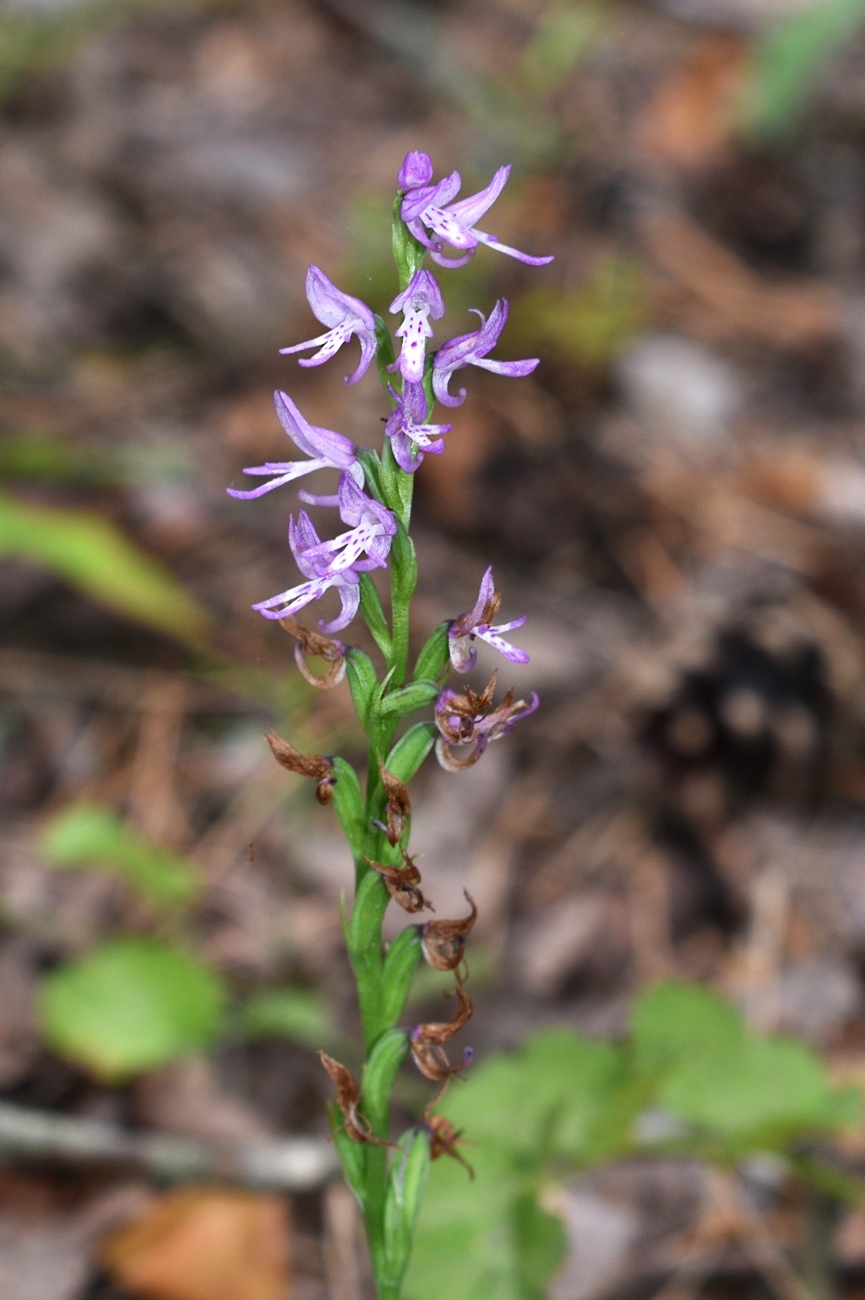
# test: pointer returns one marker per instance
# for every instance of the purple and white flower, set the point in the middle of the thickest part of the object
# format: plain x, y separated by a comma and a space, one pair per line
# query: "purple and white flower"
409, 436
430, 207
468, 721
420, 299
471, 350
477, 622
344, 316
326, 449
337, 563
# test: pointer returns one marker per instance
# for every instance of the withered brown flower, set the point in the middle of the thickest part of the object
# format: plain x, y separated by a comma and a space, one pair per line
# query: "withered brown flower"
312, 765
325, 647
444, 1136
427, 1041
456, 721
444, 942
348, 1099
398, 806
402, 884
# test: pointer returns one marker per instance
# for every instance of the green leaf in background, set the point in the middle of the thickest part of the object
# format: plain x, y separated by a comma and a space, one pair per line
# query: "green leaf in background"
289, 1013
566, 35
712, 1072
590, 325
91, 835
790, 58
130, 1006
94, 556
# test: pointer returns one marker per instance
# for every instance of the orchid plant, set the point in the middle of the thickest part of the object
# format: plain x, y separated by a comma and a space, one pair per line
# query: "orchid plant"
374, 500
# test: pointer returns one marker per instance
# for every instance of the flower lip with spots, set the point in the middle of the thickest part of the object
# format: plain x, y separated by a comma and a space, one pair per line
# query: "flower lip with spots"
420, 299
471, 350
409, 436
431, 208
337, 563
326, 449
344, 316
477, 622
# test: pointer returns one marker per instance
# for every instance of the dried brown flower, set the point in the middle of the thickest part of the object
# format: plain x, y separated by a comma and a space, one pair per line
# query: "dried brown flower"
444, 942
348, 1100
427, 1041
456, 721
312, 765
444, 1136
402, 884
325, 647
398, 806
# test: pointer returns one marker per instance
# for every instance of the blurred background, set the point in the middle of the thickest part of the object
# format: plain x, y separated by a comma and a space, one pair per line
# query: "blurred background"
676, 498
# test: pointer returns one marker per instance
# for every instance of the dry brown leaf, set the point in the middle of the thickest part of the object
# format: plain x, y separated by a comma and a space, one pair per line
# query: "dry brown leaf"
204, 1244
729, 299
690, 120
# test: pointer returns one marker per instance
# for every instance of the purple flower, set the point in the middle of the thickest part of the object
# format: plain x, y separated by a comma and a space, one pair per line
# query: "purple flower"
327, 449
304, 542
409, 436
477, 622
471, 350
344, 316
451, 223
336, 563
469, 719
420, 299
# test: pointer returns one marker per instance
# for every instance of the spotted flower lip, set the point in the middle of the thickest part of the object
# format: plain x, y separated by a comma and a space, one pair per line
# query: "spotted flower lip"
467, 720
431, 208
326, 449
409, 436
477, 622
471, 350
344, 316
420, 299
337, 563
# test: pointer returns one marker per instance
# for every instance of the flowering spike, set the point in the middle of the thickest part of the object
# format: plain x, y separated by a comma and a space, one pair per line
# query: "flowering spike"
471, 350
477, 622
427, 207
344, 316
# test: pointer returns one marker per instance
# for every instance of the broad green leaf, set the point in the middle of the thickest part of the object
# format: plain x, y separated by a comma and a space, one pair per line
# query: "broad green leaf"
406, 1185
91, 835
94, 556
408, 699
348, 804
373, 614
672, 1021
434, 656
410, 750
362, 682
791, 56
130, 1006
289, 1013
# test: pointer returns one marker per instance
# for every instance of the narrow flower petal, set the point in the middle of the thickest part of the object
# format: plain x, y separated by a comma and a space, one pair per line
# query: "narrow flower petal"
468, 211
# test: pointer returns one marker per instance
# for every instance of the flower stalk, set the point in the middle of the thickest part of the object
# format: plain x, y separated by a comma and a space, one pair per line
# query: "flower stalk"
374, 500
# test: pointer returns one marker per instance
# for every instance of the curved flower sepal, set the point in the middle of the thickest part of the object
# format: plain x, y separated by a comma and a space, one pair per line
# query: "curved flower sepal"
468, 719
344, 316
420, 299
354, 1125
402, 883
443, 943
324, 647
471, 350
315, 766
432, 206
428, 1041
326, 449
477, 622
410, 437
305, 542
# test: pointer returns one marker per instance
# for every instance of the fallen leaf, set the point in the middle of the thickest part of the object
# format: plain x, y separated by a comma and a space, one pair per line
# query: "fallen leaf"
690, 120
204, 1244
